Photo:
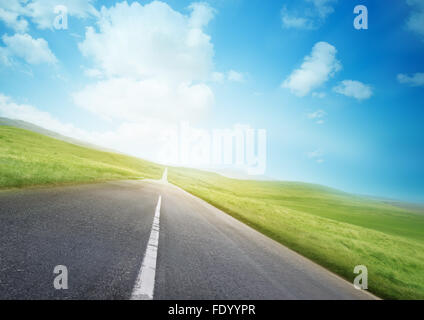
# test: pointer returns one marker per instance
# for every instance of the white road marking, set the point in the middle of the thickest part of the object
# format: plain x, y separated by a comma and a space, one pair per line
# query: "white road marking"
145, 284
165, 175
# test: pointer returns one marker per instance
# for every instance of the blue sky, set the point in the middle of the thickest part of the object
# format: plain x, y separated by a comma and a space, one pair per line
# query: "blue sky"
342, 107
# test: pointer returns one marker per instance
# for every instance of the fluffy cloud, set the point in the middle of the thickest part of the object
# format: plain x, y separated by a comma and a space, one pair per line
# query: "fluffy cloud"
10, 14
231, 75
23, 46
14, 13
42, 12
217, 76
415, 21
201, 14
13, 110
310, 14
153, 40
290, 21
154, 61
92, 73
4, 57
126, 99
146, 139
316, 69
235, 76
318, 116
414, 80
354, 89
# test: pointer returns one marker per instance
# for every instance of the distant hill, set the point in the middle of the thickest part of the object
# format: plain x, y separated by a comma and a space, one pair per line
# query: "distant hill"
34, 128
237, 174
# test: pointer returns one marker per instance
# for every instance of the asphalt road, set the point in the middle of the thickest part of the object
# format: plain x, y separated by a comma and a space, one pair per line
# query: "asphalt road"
100, 232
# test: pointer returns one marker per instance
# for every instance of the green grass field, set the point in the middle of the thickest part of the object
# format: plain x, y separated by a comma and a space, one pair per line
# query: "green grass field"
32, 159
335, 229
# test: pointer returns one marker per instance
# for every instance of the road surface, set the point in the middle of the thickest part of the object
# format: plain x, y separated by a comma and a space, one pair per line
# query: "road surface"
118, 242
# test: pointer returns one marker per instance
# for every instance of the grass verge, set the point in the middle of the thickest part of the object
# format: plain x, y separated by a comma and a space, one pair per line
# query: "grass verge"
335, 229
31, 159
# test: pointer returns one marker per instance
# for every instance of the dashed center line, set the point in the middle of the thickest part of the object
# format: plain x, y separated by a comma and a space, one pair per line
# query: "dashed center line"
145, 284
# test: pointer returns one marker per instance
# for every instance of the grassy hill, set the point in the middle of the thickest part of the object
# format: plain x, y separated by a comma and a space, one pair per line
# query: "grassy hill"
34, 128
28, 158
335, 229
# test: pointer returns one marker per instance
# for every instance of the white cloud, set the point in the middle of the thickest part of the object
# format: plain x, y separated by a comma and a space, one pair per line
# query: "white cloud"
354, 89
4, 57
15, 13
309, 14
231, 75
12, 19
155, 62
414, 80
320, 95
290, 21
202, 14
13, 110
324, 7
32, 51
235, 76
316, 69
139, 41
415, 21
42, 12
317, 116
146, 139
126, 99
93, 73
217, 77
